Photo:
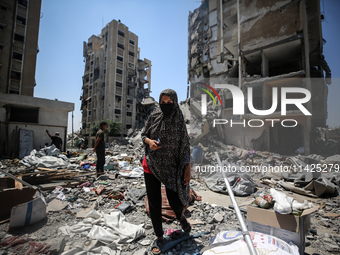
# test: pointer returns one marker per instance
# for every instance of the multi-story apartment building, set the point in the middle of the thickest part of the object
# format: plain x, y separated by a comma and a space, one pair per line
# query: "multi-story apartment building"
261, 44
115, 79
23, 117
19, 29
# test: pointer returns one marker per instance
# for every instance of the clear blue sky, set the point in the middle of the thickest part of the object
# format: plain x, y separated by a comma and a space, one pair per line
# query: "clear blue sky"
162, 30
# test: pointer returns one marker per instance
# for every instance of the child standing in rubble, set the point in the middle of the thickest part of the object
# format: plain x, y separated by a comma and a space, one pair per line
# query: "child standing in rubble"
167, 161
99, 148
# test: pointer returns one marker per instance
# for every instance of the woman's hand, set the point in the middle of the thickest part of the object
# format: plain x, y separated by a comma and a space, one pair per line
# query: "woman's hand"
153, 144
187, 174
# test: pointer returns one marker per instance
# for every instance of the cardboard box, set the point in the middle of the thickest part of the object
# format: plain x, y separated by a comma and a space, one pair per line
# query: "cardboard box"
287, 227
12, 197
22, 207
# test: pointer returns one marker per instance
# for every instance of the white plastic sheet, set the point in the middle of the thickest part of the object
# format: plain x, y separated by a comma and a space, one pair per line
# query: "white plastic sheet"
49, 157
102, 250
124, 164
285, 204
137, 172
109, 227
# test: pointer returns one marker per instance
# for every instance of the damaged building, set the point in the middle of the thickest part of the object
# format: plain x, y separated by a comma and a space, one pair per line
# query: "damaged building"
23, 117
261, 45
19, 28
116, 82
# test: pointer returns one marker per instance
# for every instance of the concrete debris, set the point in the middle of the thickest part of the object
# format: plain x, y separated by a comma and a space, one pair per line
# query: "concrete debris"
58, 247
218, 218
312, 175
335, 159
79, 205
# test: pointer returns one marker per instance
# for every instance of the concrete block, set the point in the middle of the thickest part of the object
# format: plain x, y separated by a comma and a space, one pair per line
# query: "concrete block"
58, 246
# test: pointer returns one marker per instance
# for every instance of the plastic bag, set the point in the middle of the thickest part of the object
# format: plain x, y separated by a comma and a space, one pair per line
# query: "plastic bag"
283, 203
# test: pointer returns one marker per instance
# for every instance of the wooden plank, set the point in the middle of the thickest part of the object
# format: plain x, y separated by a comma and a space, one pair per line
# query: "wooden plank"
50, 169
4, 221
18, 185
52, 185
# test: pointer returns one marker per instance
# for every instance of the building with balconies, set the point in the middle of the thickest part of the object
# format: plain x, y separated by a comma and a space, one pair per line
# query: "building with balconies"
115, 80
22, 114
19, 29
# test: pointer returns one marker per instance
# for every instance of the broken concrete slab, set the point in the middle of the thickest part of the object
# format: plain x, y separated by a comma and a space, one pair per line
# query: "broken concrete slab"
56, 205
58, 246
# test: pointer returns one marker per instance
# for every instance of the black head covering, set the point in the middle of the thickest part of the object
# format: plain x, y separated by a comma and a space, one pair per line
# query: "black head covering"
171, 93
169, 163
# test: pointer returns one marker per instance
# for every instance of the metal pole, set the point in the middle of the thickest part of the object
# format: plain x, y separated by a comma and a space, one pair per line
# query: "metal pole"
72, 132
244, 229
221, 28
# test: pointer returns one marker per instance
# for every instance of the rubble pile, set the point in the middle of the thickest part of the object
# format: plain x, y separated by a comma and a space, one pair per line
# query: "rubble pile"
108, 215
76, 139
73, 214
297, 173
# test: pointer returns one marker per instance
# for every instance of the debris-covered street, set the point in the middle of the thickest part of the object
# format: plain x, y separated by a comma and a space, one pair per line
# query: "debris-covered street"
169, 127
108, 215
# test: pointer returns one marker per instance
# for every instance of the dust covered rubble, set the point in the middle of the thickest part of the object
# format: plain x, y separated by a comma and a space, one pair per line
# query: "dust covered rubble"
69, 206
79, 201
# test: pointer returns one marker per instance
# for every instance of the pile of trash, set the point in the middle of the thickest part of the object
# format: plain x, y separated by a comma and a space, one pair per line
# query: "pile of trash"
49, 157
311, 175
280, 202
109, 214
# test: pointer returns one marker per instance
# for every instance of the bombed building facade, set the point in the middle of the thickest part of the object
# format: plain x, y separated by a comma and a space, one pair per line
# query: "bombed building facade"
19, 26
116, 82
260, 45
23, 117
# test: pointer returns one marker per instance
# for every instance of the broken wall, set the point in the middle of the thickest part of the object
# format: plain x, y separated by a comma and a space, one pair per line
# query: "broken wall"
266, 22
280, 43
47, 114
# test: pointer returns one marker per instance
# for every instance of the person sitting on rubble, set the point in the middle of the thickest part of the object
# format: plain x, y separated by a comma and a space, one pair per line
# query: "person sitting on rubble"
167, 161
56, 140
99, 148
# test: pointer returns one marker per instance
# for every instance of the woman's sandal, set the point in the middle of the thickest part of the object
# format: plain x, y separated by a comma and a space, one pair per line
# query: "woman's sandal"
158, 243
185, 225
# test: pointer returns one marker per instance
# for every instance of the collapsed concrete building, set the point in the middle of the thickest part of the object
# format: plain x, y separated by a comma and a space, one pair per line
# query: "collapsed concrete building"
116, 82
24, 118
261, 45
